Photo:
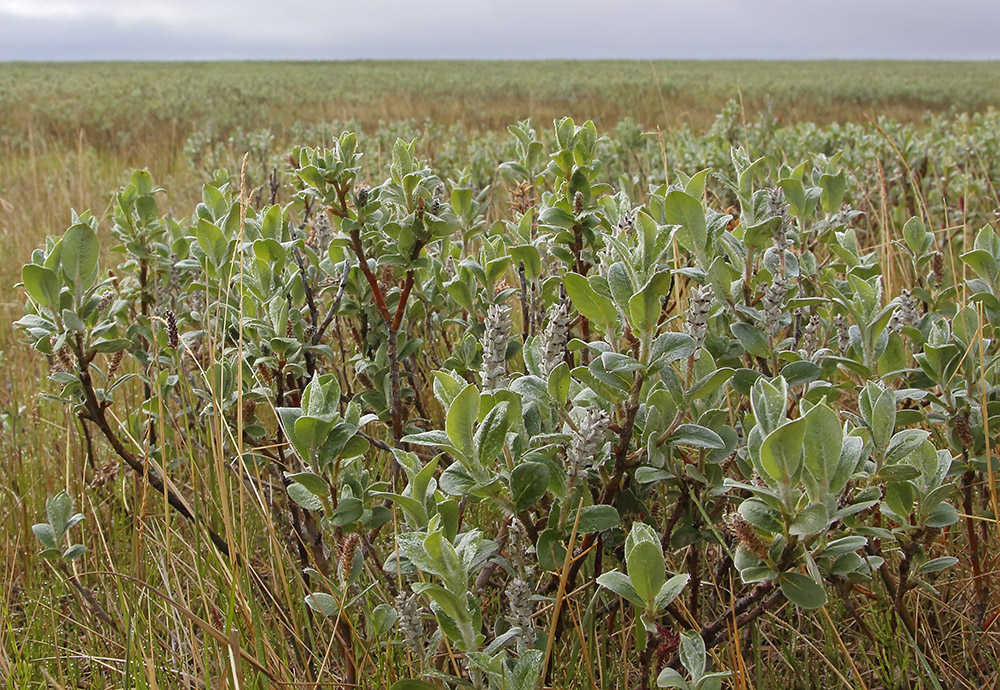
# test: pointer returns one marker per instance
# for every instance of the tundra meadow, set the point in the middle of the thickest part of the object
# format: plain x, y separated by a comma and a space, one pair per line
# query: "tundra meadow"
506, 376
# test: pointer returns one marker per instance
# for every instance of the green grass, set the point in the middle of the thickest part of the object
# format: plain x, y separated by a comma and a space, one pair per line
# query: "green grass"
138, 100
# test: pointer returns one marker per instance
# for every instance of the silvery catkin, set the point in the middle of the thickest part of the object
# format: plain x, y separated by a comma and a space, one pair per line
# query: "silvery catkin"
587, 441
699, 307
495, 337
555, 335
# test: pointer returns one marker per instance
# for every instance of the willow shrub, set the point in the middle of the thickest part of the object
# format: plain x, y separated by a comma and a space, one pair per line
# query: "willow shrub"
573, 392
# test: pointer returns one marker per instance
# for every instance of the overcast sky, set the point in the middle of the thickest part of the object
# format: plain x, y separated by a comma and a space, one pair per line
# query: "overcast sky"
517, 29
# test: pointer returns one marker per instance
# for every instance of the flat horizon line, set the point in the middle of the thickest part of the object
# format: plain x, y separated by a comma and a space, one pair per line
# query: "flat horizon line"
899, 60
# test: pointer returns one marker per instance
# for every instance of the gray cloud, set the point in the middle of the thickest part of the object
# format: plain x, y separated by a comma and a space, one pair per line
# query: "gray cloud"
295, 29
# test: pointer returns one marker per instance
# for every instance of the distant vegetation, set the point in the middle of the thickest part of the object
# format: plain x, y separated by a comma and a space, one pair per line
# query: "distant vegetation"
128, 102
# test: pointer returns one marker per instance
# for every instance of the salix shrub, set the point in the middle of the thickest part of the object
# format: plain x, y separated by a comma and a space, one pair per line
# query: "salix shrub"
476, 413
940, 166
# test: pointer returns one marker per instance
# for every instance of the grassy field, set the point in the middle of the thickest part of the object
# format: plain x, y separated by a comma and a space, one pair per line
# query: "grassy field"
70, 135
126, 103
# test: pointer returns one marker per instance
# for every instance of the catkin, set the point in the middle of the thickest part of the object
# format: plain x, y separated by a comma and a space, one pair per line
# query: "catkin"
265, 374
905, 314
495, 337
519, 593
363, 192
555, 335
810, 337
107, 297
410, 622
115, 363
699, 307
777, 206
587, 441
774, 301
346, 548
173, 339
746, 534
322, 233
937, 269
963, 430
843, 333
